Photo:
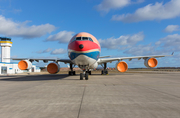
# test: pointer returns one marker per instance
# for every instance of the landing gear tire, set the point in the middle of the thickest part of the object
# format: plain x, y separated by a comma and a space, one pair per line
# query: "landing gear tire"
86, 76
81, 76
104, 72
89, 72
72, 73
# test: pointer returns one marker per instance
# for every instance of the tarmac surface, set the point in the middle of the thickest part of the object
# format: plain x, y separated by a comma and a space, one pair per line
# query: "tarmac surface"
117, 95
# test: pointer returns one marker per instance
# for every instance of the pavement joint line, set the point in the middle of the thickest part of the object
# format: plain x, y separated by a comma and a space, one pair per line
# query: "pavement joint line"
81, 101
161, 92
156, 90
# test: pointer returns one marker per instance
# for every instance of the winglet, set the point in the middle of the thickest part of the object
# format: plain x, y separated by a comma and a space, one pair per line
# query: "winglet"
172, 53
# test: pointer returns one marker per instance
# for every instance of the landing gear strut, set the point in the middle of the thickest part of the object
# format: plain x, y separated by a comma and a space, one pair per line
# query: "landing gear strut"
72, 72
104, 72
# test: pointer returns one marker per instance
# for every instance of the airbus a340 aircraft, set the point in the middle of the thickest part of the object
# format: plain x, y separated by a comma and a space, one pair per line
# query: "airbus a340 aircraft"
84, 51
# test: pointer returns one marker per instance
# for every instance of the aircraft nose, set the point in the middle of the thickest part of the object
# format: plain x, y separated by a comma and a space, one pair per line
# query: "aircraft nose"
81, 46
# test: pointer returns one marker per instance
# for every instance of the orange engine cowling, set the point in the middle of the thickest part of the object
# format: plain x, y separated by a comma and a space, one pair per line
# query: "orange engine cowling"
150, 62
53, 68
122, 66
25, 65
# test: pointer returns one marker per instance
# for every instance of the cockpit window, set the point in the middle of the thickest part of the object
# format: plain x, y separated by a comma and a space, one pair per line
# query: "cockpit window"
90, 39
84, 38
78, 38
74, 39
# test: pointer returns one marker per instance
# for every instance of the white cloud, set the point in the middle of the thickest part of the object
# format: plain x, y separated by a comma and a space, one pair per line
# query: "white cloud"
164, 46
16, 29
58, 51
47, 50
44, 51
170, 42
107, 5
16, 11
62, 37
158, 11
171, 28
141, 50
124, 40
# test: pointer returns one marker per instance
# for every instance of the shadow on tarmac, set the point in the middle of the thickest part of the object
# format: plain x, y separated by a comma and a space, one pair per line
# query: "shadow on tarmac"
47, 77
34, 77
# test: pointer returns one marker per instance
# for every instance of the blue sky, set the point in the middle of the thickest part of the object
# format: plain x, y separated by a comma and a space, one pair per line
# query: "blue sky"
42, 28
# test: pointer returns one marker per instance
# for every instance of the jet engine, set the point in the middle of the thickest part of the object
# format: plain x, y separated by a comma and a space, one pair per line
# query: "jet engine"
25, 65
150, 62
122, 66
53, 68
93, 66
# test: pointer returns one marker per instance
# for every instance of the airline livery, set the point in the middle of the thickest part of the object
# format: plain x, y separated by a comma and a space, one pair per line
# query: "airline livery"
84, 51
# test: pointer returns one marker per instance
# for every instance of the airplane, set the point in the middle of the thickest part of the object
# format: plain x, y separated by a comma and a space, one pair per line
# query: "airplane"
84, 51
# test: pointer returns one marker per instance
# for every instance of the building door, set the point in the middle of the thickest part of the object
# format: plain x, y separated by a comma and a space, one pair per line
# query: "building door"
3, 70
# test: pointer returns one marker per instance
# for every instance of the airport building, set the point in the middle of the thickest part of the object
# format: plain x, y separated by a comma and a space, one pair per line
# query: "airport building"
6, 66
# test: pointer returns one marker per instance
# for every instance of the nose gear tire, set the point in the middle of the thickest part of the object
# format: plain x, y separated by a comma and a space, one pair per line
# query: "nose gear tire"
86, 76
81, 76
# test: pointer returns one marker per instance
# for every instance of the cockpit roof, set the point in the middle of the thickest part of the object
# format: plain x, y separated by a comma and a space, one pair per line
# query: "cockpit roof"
85, 34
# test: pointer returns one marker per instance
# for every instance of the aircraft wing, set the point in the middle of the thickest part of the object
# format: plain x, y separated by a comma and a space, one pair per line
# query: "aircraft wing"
105, 60
44, 60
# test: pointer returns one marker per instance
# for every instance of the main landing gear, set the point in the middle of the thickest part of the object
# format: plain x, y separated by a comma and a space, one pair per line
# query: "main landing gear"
104, 72
72, 72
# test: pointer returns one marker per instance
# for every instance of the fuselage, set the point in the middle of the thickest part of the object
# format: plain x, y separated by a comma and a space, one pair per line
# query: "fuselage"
84, 49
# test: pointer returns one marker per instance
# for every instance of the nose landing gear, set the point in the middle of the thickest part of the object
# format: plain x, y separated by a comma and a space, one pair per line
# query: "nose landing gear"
84, 74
